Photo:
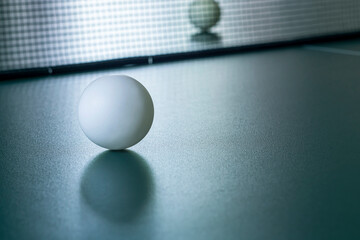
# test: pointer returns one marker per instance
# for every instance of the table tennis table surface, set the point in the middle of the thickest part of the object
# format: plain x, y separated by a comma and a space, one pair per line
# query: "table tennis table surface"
253, 145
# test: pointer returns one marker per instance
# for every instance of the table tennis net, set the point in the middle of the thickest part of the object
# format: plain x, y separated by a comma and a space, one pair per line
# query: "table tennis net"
35, 34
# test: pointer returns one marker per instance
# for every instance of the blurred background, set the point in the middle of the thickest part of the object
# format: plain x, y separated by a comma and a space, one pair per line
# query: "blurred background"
42, 34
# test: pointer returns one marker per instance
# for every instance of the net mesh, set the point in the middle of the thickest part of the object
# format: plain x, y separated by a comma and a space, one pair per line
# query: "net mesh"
35, 33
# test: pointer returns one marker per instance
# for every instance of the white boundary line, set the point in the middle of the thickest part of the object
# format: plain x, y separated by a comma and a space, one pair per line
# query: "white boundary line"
332, 50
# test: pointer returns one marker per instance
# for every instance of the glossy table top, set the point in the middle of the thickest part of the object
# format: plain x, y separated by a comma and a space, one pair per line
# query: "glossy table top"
260, 145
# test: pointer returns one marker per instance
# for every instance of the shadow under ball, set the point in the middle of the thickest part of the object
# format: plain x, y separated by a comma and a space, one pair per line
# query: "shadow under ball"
117, 185
204, 14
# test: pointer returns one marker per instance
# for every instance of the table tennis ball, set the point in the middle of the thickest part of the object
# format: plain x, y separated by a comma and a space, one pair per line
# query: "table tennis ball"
115, 112
204, 14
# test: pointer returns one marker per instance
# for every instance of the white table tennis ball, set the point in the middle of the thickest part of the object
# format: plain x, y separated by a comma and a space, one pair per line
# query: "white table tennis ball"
204, 14
115, 112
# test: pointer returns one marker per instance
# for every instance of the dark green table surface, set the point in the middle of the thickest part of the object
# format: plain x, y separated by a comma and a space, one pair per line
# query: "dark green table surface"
260, 145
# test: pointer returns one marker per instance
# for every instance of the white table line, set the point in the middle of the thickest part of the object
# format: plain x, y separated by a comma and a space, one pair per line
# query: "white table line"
332, 50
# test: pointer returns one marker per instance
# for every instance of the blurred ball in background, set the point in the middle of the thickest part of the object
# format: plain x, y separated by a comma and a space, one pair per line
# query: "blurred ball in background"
204, 14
